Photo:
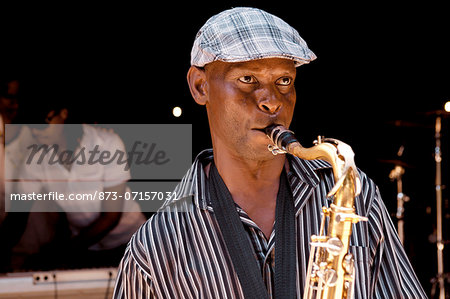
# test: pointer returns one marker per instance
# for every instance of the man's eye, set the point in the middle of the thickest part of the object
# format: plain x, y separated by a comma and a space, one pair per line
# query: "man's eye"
247, 79
284, 81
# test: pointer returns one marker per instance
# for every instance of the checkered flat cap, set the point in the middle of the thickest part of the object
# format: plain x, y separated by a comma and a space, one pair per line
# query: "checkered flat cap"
243, 34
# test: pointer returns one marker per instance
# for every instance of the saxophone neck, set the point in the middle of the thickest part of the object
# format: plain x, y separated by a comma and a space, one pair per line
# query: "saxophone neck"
339, 154
322, 151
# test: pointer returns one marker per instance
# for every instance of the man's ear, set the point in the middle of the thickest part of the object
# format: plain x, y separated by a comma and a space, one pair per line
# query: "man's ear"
198, 85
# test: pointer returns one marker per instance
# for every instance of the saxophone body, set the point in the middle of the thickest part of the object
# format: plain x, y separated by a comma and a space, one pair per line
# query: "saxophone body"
330, 272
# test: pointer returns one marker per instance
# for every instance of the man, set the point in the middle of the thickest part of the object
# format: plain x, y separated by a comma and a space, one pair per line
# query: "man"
243, 70
61, 162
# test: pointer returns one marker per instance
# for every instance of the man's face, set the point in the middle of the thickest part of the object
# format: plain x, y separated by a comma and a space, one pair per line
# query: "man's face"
246, 97
8, 103
52, 133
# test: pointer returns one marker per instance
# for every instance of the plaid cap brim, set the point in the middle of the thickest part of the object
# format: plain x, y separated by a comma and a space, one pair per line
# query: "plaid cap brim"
243, 34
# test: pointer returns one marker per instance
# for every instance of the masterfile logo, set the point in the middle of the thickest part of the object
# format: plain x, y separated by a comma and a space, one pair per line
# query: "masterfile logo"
140, 153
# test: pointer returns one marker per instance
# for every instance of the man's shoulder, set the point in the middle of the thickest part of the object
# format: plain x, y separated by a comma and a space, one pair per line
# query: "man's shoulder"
191, 190
176, 211
167, 226
323, 171
166, 220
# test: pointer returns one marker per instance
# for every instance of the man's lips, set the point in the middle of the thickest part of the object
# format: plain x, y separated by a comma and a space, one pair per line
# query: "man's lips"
264, 129
260, 130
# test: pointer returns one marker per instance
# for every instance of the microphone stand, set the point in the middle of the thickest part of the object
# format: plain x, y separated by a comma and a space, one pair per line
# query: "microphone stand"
439, 241
396, 174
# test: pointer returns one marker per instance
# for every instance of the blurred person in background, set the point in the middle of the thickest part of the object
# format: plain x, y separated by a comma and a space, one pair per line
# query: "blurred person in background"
99, 229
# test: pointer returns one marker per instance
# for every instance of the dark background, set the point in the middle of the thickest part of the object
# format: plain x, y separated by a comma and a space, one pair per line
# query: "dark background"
378, 63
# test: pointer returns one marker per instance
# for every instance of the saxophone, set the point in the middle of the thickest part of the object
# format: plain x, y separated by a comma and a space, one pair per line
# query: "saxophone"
330, 271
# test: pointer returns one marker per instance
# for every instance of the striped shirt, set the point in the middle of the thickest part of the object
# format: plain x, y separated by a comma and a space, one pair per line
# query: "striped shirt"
180, 253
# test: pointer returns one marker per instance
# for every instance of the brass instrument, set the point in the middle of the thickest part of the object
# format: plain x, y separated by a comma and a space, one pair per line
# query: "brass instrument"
330, 271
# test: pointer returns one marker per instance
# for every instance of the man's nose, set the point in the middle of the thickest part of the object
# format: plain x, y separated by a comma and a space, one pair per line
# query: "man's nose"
269, 102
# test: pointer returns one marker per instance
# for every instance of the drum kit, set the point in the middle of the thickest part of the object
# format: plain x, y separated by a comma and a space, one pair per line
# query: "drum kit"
441, 279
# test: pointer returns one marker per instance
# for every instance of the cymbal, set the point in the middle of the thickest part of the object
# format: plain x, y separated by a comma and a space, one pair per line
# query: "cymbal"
441, 113
408, 124
396, 162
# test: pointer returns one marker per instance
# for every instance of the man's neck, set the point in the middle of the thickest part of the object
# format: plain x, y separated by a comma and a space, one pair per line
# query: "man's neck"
244, 178
252, 184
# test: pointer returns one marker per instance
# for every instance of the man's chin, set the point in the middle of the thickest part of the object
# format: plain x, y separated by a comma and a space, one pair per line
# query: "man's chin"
258, 152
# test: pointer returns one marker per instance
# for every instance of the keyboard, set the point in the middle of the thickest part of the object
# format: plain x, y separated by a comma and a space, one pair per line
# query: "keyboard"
67, 284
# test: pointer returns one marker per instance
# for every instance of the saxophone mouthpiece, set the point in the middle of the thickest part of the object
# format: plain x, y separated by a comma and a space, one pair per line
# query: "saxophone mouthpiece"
272, 133
270, 129
280, 138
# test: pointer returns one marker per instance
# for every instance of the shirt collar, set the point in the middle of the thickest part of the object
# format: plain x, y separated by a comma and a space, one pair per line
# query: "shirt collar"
306, 170
193, 183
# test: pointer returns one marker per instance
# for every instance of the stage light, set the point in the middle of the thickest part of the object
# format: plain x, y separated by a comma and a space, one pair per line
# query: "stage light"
447, 106
177, 111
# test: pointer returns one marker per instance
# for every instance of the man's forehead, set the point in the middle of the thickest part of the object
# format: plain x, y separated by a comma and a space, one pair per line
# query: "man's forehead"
258, 65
